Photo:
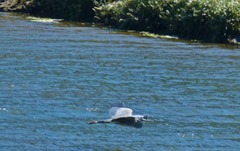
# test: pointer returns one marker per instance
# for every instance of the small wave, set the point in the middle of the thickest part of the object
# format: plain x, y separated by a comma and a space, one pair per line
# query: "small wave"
152, 35
92, 109
3, 109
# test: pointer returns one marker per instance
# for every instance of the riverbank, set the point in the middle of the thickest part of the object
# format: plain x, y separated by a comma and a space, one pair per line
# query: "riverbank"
73, 10
204, 20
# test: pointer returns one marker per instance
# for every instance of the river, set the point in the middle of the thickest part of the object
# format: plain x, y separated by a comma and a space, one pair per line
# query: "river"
55, 77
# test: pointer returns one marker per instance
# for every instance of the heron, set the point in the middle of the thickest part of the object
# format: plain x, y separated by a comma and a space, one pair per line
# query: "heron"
124, 116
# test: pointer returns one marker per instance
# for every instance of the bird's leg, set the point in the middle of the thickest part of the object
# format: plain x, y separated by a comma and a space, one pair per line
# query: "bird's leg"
148, 120
93, 122
102, 121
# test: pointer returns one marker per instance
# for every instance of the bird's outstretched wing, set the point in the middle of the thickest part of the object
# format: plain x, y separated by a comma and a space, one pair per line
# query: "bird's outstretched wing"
119, 112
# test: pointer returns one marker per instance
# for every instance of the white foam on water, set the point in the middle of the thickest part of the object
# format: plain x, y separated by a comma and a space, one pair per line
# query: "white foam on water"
43, 20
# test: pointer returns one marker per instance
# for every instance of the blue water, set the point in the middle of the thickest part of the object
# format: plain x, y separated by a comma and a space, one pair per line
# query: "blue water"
55, 77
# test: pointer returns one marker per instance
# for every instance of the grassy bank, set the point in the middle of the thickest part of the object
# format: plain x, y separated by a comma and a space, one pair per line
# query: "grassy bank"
206, 20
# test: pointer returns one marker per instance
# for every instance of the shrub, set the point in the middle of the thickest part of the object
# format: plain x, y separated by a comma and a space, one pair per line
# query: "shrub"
208, 20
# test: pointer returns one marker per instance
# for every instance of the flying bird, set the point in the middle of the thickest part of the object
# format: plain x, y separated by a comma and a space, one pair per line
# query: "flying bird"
124, 116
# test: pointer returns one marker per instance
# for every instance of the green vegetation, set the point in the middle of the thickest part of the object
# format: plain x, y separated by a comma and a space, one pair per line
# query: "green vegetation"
206, 20
15, 5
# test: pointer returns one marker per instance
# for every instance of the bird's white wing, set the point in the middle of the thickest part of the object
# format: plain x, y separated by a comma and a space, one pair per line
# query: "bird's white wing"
118, 112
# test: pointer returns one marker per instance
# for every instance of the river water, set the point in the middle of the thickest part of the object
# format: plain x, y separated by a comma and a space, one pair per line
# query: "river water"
55, 77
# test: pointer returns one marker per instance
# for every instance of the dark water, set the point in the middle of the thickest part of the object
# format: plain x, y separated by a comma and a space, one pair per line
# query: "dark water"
55, 77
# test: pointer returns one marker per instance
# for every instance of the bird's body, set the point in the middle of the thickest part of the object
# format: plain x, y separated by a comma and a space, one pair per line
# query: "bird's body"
123, 116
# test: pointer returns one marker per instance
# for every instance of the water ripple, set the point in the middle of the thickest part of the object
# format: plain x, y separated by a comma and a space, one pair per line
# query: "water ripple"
56, 77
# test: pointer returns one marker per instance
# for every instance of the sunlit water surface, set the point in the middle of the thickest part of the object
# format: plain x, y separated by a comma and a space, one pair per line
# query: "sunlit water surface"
55, 77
